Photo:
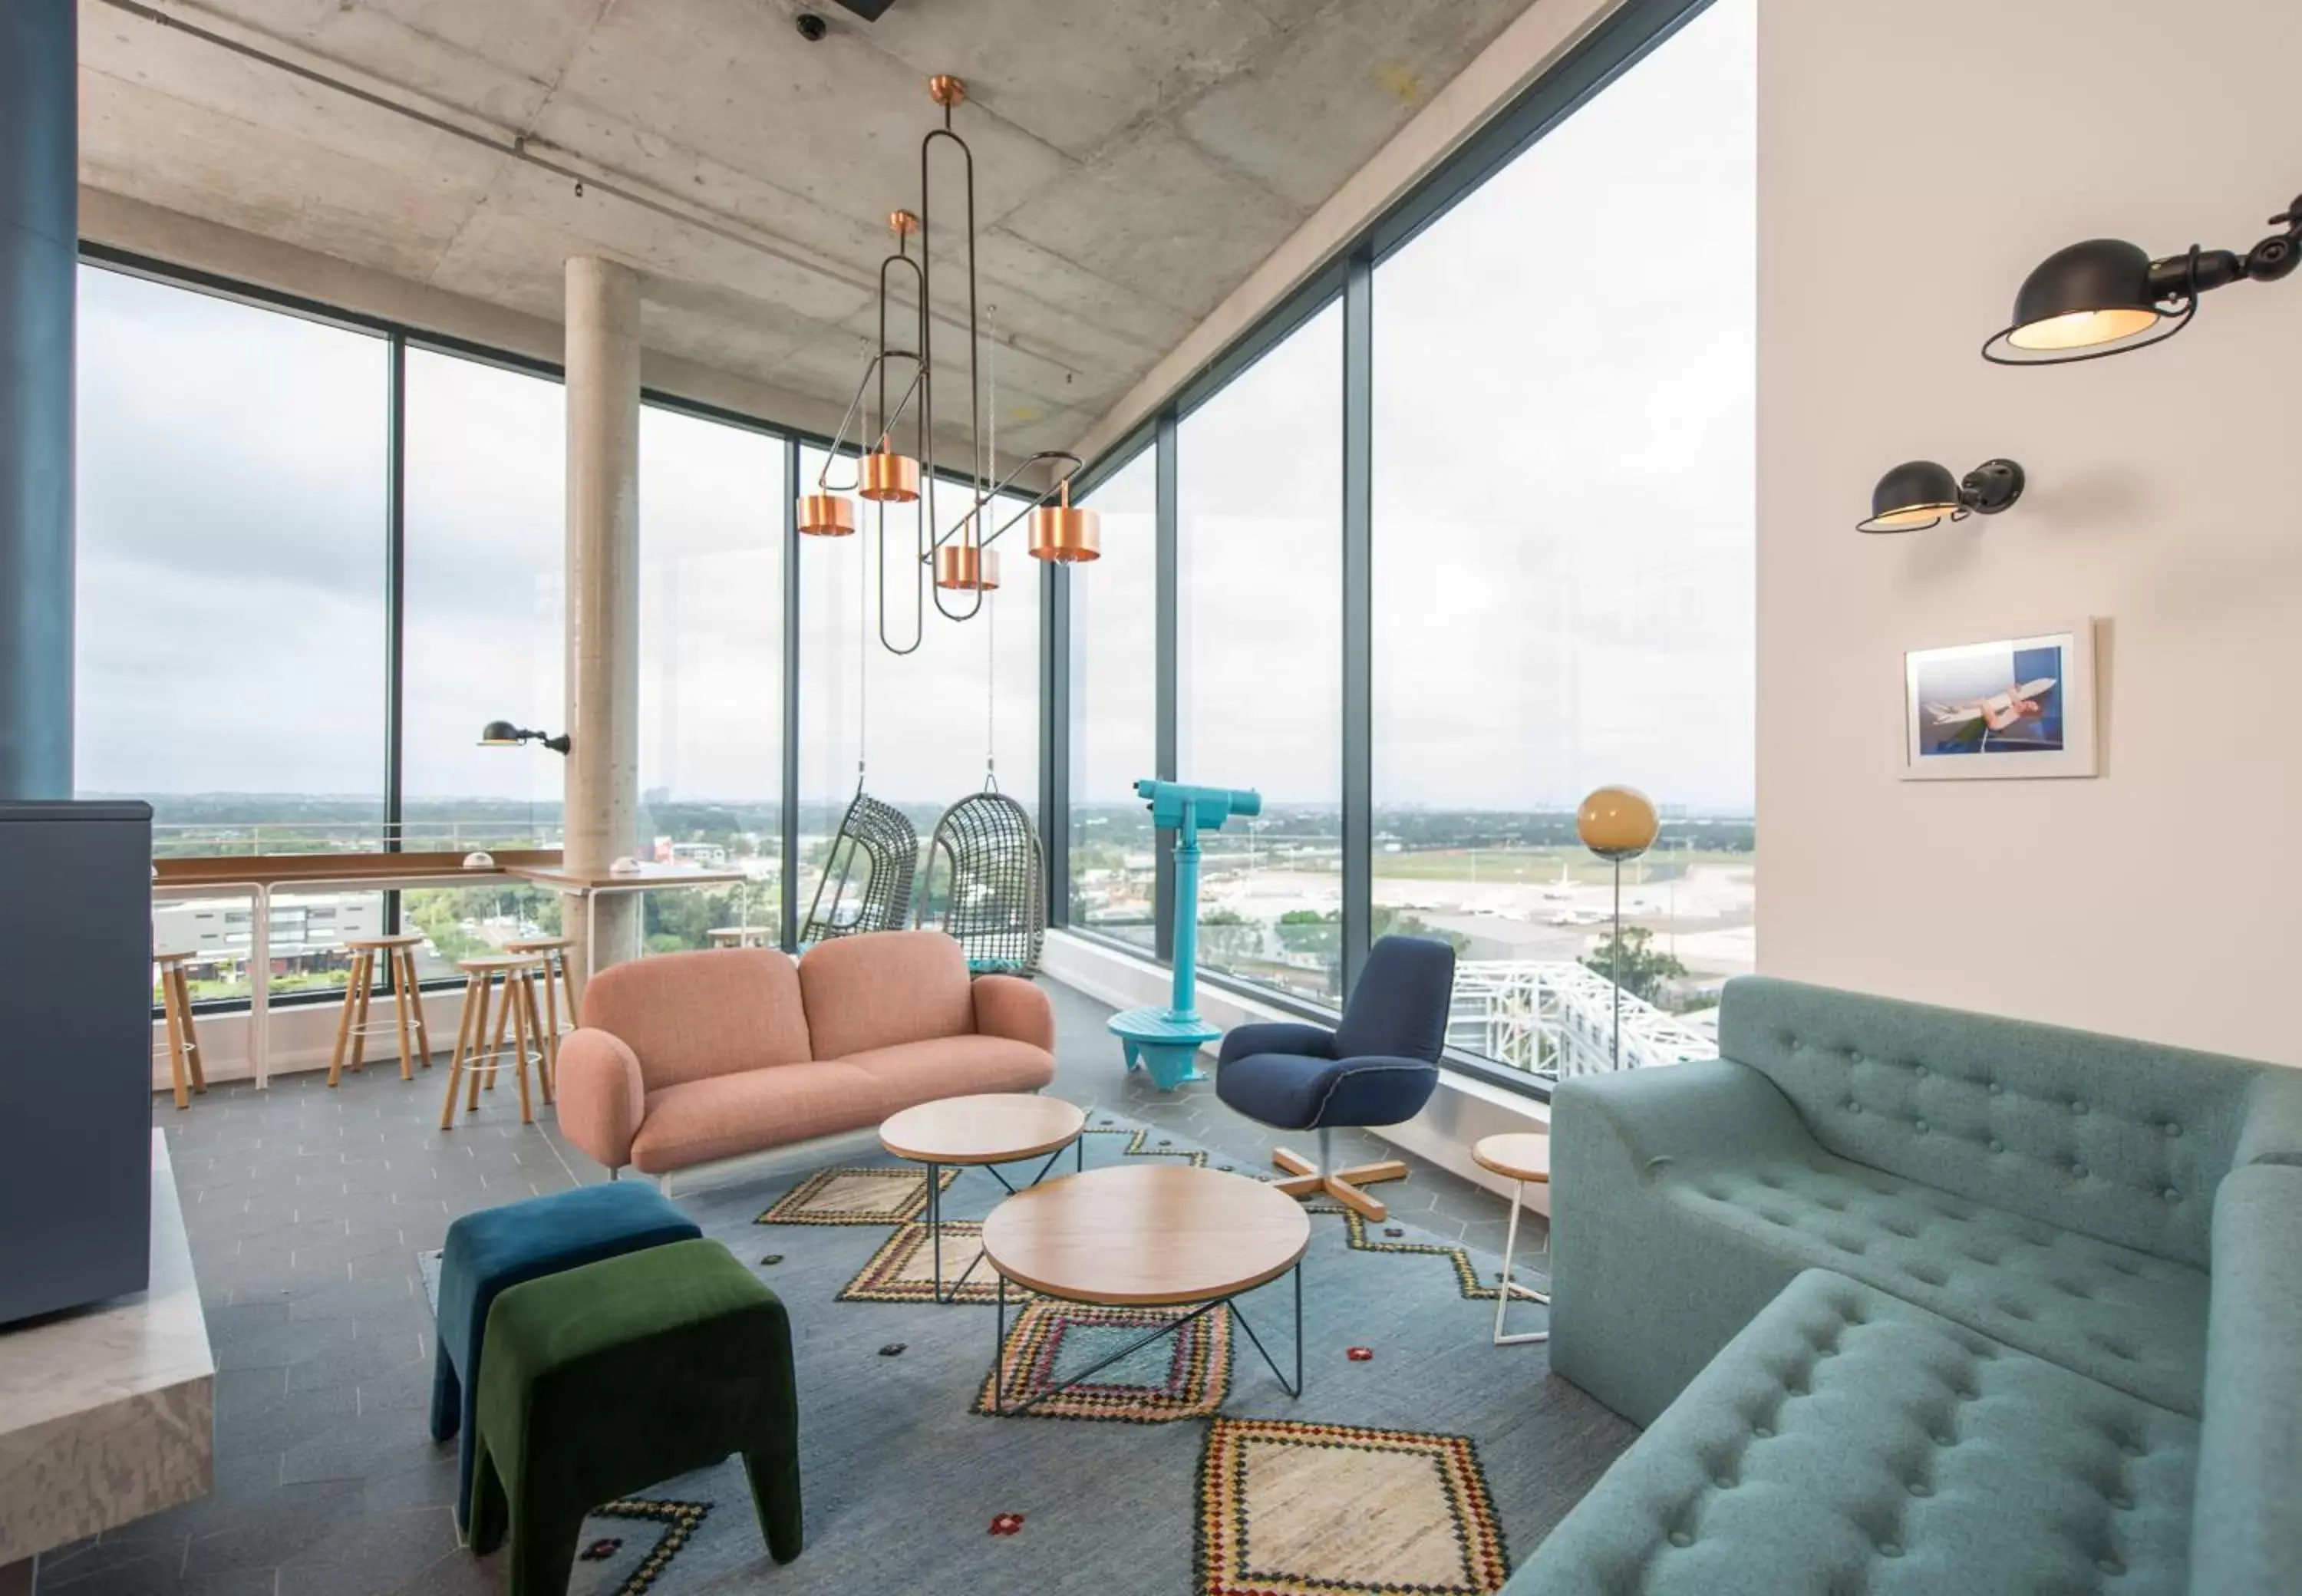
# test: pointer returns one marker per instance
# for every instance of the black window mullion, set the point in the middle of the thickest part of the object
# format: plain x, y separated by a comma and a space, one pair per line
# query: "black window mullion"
1056, 736
395, 606
1358, 421
1166, 690
789, 893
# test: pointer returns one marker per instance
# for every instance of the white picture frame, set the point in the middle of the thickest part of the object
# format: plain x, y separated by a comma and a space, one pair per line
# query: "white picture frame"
2007, 709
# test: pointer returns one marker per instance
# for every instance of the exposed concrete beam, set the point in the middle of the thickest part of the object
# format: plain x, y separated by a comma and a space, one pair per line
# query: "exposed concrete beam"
171, 236
1497, 76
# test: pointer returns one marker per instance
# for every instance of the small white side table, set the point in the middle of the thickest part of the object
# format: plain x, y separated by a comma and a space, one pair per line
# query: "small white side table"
1521, 1157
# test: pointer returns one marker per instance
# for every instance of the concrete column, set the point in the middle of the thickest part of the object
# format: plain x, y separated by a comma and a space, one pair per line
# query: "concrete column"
39, 240
603, 591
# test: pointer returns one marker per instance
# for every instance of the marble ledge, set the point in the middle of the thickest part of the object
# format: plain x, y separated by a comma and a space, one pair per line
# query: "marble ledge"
106, 1414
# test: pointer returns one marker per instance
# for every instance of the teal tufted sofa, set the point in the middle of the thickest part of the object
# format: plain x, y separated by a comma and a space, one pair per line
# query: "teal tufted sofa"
1917, 1299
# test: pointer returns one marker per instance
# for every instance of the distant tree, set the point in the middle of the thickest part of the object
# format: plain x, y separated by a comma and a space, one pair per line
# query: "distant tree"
1634, 963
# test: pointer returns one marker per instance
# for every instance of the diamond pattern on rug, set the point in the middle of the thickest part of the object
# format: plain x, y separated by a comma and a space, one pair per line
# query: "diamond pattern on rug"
903, 1268
856, 1197
1296, 1509
1181, 1376
633, 1566
1466, 1273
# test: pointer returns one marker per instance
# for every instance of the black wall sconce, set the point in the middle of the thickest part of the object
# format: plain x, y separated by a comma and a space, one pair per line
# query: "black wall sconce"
2105, 295
503, 733
1919, 493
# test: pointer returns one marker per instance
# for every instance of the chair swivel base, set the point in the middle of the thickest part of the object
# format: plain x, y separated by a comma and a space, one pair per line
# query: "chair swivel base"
1308, 1179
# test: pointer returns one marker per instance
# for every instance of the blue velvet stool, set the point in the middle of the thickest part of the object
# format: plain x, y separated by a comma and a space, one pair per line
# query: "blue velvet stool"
497, 1248
1378, 1067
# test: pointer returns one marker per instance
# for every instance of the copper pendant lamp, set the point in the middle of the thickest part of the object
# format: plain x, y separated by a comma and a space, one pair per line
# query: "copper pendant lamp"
967, 568
826, 515
960, 560
883, 476
1064, 533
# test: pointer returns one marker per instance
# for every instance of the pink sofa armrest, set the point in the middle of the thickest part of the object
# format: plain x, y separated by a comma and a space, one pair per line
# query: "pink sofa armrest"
1007, 1005
601, 1097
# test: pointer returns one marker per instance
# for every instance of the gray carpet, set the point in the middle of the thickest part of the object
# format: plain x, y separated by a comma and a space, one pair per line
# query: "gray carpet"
908, 1488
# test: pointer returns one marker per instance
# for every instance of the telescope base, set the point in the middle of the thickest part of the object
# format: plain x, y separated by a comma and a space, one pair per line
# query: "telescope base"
1164, 1043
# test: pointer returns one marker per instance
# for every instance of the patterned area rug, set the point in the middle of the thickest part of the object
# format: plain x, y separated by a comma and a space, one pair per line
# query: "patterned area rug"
1419, 1461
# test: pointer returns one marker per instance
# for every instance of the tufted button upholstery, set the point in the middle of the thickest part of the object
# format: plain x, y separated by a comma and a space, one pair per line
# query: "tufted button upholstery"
2125, 1318
2029, 1490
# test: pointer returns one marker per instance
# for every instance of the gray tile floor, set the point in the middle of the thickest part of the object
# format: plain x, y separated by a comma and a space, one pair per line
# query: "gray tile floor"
307, 1208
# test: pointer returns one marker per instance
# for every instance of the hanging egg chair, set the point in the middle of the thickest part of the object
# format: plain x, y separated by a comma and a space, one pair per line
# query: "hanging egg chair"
878, 843
986, 883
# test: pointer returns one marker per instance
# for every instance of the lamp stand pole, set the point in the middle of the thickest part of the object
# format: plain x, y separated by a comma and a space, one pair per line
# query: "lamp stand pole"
1615, 974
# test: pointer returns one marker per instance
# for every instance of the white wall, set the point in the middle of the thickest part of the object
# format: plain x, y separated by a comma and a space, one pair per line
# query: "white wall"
1917, 157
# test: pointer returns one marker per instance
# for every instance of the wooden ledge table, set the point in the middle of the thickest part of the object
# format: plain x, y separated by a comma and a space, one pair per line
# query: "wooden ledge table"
589, 886
1158, 1236
257, 875
983, 1130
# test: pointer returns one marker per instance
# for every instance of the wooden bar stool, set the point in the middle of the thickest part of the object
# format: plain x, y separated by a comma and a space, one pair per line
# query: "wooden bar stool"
558, 1022
353, 1027
507, 981
741, 937
184, 1041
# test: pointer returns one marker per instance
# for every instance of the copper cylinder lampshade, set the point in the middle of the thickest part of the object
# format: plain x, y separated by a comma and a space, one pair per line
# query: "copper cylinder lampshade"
968, 567
826, 515
1063, 533
886, 477
1617, 823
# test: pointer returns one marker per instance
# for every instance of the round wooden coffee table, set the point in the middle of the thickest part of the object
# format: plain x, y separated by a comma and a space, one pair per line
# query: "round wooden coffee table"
1161, 1236
1521, 1157
984, 1131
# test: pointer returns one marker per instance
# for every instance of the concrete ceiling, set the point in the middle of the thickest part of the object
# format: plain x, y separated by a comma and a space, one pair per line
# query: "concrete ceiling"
1135, 159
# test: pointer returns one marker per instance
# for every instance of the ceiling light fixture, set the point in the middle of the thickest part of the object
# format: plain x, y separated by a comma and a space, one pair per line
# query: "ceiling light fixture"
1918, 494
2106, 295
958, 560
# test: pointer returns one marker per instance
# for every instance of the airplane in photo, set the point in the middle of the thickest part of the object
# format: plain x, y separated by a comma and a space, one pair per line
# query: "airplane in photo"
1999, 710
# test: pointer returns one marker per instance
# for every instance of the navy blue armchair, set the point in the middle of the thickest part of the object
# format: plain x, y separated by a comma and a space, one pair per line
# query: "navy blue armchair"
1378, 1067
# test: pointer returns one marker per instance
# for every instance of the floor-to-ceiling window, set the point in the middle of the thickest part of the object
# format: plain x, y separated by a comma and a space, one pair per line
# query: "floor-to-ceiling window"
1563, 560
1258, 702
711, 520
485, 583
230, 614
237, 615
1113, 730
922, 696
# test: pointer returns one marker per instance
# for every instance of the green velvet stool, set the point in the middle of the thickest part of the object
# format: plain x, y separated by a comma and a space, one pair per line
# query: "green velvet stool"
606, 1379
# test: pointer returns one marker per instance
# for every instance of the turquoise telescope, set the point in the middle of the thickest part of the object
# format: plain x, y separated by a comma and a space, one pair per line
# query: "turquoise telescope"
1166, 1040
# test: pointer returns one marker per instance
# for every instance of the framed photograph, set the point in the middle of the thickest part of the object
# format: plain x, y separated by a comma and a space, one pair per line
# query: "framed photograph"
2017, 707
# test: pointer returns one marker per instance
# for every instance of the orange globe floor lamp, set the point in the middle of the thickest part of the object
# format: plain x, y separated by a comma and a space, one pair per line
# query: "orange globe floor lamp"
1617, 824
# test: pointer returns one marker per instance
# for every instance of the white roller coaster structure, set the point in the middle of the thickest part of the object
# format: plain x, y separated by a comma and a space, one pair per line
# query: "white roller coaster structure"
1556, 1019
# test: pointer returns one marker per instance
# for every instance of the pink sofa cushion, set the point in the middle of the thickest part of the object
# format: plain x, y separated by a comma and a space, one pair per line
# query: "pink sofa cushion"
729, 1115
954, 1067
885, 988
692, 1016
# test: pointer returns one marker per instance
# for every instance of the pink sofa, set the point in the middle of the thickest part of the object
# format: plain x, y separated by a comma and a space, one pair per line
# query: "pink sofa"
688, 1058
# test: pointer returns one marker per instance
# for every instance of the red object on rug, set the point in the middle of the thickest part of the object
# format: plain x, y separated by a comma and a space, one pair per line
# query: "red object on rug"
1360, 1355
1006, 1524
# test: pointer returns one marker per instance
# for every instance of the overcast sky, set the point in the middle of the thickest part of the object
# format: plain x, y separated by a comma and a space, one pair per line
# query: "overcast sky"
1565, 374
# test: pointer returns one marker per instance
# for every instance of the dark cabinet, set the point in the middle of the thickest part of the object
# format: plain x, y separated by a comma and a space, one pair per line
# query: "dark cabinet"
75, 1053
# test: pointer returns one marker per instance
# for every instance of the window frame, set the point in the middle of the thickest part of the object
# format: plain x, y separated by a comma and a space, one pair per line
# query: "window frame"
1615, 45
